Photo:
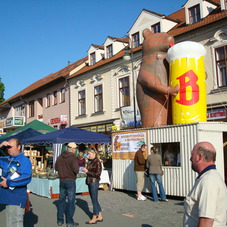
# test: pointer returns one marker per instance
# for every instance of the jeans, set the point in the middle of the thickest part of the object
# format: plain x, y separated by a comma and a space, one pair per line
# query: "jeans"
93, 190
14, 216
67, 190
158, 178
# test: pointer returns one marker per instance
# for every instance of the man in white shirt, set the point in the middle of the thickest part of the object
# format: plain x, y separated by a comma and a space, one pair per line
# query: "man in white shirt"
206, 203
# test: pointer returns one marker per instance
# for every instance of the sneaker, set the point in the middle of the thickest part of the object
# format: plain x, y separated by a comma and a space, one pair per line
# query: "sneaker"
142, 198
165, 200
60, 223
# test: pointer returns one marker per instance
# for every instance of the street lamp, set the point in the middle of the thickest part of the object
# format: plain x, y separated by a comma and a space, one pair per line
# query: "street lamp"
128, 56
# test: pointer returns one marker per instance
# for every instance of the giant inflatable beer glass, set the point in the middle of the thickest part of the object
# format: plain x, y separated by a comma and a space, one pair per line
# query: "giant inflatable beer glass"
187, 70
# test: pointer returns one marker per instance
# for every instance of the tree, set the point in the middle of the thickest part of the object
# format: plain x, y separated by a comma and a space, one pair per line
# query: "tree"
2, 89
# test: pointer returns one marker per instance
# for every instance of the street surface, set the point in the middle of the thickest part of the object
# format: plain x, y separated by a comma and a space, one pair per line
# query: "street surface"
120, 209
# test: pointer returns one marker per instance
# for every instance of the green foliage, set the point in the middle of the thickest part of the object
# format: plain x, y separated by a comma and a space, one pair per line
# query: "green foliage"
2, 89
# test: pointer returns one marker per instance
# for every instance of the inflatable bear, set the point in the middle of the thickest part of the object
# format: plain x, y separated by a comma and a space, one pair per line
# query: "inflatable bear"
152, 88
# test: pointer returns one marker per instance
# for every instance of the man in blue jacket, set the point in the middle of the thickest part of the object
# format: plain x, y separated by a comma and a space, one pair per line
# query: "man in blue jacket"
15, 174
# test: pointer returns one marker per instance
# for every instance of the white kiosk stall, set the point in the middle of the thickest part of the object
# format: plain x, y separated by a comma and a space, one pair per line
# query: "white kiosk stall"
175, 143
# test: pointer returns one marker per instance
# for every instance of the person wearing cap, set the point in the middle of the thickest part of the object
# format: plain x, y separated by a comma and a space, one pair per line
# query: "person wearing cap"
67, 167
139, 167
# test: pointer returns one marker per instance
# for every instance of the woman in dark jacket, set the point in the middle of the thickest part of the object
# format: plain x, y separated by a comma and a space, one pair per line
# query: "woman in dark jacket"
93, 171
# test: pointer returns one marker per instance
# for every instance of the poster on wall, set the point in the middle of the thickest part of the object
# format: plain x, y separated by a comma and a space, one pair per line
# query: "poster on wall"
125, 144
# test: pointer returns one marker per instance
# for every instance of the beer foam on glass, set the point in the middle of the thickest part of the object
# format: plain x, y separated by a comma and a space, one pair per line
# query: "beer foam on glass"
187, 70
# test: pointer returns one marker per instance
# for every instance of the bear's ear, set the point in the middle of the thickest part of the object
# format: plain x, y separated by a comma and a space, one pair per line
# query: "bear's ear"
146, 32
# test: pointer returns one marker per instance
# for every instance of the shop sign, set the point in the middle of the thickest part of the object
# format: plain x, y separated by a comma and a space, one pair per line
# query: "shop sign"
18, 121
216, 114
64, 119
40, 116
4, 123
124, 145
55, 120
9, 122
109, 127
114, 128
101, 128
94, 129
1, 124
86, 128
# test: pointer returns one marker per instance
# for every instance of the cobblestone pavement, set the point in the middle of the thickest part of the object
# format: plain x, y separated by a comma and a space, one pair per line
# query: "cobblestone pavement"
120, 209
121, 202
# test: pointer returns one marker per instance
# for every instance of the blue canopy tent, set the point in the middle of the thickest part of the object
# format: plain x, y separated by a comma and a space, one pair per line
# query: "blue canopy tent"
28, 133
67, 135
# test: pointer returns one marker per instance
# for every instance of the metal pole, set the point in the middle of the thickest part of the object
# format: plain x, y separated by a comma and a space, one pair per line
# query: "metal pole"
133, 87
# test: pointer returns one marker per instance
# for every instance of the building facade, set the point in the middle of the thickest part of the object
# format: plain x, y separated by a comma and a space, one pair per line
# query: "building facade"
98, 92
46, 100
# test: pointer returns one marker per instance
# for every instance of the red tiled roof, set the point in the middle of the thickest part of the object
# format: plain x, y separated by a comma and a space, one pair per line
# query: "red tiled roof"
47, 79
179, 29
98, 46
103, 62
124, 39
182, 28
158, 14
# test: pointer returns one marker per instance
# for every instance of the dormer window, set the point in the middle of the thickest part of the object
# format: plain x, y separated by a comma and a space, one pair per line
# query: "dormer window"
109, 51
135, 40
92, 58
194, 14
156, 28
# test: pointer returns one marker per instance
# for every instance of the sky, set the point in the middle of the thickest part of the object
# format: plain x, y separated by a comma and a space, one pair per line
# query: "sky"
39, 37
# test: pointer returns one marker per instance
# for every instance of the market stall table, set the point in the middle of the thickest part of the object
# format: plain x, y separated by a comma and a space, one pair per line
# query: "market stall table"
50, 188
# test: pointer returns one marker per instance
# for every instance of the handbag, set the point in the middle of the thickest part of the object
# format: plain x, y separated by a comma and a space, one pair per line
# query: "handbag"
146, 172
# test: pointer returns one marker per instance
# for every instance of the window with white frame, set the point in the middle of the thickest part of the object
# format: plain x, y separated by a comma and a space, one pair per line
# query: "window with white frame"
20, 110
170, 152
62, 95
82, 102
109, 51
135, 40
55, 93
221, 65
156, 28
92, 58
194, 14
48, 100
31, 109
98, 98
124, 92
